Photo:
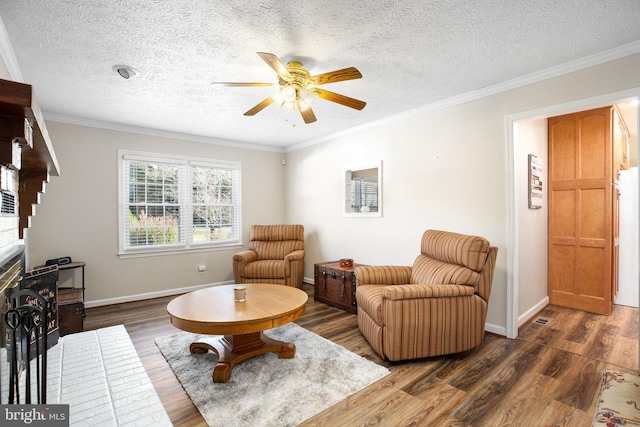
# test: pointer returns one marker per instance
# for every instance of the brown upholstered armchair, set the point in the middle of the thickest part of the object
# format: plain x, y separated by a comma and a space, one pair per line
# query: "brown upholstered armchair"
437, 306
275, 256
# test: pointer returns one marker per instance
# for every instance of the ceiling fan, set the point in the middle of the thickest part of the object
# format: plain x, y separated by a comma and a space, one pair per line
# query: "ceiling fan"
297, 88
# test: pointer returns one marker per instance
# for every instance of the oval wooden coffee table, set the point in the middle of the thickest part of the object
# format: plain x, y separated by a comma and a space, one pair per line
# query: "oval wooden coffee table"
213, 311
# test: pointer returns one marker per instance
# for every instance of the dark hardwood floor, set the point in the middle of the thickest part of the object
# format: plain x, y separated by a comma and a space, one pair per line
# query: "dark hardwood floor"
549, 376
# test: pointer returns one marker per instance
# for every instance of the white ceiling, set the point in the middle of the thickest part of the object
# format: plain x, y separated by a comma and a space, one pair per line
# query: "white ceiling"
412, 53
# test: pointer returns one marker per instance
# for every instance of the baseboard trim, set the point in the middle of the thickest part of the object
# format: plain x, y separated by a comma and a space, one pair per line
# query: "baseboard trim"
151, 295
522, 319
495, 329
527, 315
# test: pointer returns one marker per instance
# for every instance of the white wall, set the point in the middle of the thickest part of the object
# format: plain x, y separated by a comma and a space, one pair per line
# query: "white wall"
77, 215
531, 224
4, 72
445, 170
629, 253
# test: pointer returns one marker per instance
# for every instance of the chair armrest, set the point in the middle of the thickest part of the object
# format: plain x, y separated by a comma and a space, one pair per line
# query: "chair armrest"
414, 291
382, 275
295, 255
245, 256
294, 268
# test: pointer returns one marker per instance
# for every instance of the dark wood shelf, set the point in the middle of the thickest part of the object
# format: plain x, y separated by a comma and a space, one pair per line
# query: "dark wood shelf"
17, 100
37, 162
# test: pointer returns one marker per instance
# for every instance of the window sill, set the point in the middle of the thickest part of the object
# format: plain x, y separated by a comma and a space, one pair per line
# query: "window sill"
162, 252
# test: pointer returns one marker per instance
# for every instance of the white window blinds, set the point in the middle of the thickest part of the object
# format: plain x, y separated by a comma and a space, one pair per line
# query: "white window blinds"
177, 203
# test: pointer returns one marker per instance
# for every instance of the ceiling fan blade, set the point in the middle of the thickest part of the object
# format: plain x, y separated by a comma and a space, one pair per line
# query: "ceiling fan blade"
259, 107
307, 115
336, 76
240, 84
340, 99
276, 64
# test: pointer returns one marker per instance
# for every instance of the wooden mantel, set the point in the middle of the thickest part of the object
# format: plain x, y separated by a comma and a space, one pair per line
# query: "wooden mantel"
37, 162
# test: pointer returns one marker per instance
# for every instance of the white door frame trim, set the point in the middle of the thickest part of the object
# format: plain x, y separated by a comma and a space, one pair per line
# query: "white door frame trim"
513, 242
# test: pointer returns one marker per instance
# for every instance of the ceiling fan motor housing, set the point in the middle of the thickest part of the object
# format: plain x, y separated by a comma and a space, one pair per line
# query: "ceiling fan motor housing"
299, 76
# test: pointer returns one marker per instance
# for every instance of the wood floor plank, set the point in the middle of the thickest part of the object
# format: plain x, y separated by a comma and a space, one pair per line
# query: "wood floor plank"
626, 318
396, 409
584, 329
601, 342
549, 376
624, 353
558, 414
544, 335
580, 384
442, 401
528, 396
555, 363
500, 381
487, 365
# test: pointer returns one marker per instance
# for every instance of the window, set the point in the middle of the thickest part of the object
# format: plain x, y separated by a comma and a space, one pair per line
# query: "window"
177, 203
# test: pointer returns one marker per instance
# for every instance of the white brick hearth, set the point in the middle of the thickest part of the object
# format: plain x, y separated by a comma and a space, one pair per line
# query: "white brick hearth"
99, 374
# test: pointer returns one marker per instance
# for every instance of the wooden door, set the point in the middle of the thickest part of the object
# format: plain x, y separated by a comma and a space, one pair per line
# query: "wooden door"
615, 243
580, 211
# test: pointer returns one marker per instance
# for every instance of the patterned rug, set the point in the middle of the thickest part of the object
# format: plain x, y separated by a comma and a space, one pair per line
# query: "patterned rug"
265, 390
619, 400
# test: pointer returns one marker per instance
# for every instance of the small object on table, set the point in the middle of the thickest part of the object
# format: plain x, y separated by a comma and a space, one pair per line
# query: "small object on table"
346, 262
239, 293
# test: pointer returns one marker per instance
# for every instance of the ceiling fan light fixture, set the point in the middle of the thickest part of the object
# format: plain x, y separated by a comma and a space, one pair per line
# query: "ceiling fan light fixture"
305, 98
296, 88
288, 93
289, 106
285, 97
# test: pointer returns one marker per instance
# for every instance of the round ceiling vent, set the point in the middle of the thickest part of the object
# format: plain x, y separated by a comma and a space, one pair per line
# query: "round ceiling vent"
125, 71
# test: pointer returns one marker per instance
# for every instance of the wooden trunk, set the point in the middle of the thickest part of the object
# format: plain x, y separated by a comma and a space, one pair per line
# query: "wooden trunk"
335, 285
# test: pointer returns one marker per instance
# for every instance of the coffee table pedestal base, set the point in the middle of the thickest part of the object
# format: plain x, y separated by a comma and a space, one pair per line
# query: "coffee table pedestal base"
233, 349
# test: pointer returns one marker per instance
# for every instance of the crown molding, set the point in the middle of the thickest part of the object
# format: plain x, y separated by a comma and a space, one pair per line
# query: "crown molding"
8, 55
549, 73
156, 132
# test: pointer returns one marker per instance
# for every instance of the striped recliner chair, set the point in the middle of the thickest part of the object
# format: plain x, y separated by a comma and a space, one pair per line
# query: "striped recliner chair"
438, 306
275, 256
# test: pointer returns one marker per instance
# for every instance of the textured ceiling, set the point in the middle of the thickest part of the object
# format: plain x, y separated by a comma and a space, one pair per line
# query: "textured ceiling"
411, 54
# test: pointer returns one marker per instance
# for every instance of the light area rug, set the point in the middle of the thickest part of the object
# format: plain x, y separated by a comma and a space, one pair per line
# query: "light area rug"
265, 390
618, 400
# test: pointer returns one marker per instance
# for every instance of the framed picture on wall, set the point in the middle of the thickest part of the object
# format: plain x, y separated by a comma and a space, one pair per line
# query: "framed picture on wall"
535, 182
